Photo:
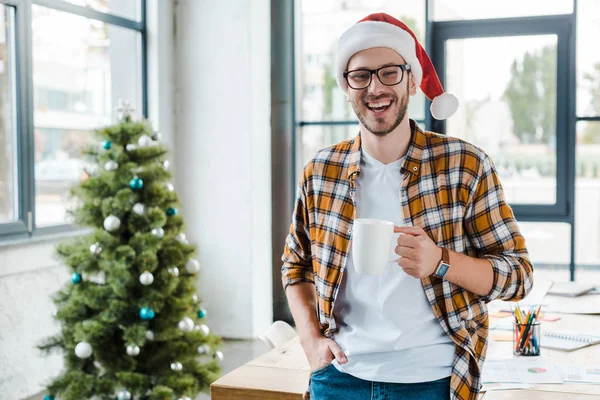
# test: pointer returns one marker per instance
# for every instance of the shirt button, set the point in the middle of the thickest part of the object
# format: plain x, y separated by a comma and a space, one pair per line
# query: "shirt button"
350, 231
415, 169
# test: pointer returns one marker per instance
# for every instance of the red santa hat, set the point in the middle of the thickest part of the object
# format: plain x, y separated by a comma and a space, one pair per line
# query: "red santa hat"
383, 30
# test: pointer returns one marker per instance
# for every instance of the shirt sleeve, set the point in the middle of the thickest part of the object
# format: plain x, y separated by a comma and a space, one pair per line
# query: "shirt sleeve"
493, 231
297, 264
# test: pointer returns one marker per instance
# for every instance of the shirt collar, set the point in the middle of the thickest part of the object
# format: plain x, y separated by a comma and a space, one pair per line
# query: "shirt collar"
412, 161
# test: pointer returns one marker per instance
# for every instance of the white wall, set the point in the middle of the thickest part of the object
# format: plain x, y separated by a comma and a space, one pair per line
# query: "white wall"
222, 62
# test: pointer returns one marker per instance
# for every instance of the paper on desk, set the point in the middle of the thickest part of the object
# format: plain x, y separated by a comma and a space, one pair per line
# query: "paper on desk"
580, 373
488, 387
520, 370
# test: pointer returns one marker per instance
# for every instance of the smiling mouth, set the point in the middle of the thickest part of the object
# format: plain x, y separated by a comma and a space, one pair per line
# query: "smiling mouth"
379, 106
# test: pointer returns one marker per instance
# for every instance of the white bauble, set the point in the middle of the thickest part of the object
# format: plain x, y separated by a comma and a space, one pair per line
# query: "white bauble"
219, 356
181, 237
124, 395
146, 278
166, 164
150, 335
133, 350
203, 349
96, 248
192, 266
54, 312
158, 232
186, 325
170, 187
204, 328
144, 141
176, 366
174, 271
112, 223
111, 165
130, 147
157, 136
195, 298
139, 208
184, 398
83, 350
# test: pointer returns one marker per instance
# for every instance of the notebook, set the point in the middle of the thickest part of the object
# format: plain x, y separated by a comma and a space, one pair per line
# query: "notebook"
571, 289
568, 341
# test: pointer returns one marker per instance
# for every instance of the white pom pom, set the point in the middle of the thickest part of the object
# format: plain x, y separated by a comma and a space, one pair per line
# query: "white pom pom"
444, 106
186, 325
83, 350
192, 266
112, 223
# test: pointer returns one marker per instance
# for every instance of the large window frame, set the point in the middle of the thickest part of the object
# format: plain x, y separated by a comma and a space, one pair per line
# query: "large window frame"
24, 227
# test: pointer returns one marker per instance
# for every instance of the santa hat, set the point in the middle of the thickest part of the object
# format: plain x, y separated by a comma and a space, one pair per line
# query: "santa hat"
383, 30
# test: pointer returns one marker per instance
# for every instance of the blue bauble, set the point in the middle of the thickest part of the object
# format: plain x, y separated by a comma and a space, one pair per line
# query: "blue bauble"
107, 145
48, 397
146, 313
76, 277
171, 211
136, 183
201, 313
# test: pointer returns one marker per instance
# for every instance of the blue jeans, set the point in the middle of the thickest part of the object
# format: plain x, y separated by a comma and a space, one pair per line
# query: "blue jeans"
330, 384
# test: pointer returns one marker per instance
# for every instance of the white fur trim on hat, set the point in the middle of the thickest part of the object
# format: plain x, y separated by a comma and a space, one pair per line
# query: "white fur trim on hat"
444, 106
369, 34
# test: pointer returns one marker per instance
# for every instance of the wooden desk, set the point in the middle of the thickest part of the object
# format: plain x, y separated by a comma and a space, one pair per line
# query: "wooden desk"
283, 373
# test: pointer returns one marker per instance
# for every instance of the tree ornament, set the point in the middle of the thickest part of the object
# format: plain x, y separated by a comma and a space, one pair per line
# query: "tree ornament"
139, 208
166, 164
201, 313
146, 313
112, 223
203, 349
49, 397
158, 233
174, 271
95, 248
205, 329
157, 136
130, 147
124, 395
111, 165
54, 312
107, 145
186, 324
170, 187
195, 298
144, 141
124, 109
149, 335
136, 183
218, 356
146, 278
181, 238
76, 277
176, 366
133, 350
172, 211
83, 350
192, 266
184, 398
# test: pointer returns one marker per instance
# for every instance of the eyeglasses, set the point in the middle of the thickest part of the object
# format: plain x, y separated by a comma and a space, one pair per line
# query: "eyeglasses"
389, 75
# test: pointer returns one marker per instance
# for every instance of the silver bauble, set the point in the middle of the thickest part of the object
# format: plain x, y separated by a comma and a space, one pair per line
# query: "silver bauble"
176, 366
149, 335
174, 271
203, 349
130, 147
204, 328
219, 356
111, 165
139, 208
83, 350
157, 136
166, 164
124, 395
133, 350
158, 233
146, 278
186, 325
181, 237
144, 141
112, 223
95, 248
184, 398
192, 266
170, 187
195, 298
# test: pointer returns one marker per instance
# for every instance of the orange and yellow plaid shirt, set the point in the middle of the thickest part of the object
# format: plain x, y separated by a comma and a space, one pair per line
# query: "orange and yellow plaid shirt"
451, 189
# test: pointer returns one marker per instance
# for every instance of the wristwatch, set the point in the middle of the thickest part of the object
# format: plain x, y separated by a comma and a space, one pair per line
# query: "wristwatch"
444, 264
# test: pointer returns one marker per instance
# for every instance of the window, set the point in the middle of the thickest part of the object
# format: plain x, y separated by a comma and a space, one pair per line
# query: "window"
84, 56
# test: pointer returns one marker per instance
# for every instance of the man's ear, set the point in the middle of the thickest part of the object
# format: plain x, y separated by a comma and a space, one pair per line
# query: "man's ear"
412, 85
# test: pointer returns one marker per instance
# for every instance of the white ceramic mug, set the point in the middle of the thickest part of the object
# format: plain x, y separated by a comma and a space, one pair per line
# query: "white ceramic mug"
372, 241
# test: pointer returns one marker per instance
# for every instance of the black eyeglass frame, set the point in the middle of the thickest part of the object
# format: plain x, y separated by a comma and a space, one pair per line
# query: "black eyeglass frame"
403, 68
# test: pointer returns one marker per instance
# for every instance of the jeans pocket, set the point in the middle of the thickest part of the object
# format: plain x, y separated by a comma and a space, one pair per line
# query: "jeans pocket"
321, 370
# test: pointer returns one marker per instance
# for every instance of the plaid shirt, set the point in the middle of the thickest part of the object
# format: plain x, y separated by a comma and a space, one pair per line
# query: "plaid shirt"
450, 188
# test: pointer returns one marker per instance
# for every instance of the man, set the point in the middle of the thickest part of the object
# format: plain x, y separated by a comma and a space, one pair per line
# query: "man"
420, 330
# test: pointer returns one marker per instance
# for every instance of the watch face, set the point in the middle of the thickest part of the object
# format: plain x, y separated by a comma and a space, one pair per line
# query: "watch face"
442, 269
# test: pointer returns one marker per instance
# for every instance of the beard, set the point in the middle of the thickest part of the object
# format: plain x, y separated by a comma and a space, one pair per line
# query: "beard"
379, 127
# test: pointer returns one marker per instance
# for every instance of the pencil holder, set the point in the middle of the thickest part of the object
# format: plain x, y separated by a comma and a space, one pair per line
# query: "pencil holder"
526, 339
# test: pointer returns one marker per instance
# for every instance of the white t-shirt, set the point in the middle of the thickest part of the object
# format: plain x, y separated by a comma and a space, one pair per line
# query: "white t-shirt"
386, 325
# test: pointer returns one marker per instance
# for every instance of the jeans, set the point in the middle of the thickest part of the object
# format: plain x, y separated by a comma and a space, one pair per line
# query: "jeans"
330, 384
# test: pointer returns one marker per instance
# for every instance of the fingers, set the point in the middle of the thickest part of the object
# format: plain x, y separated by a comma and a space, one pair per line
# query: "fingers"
409, 230
408, 240
337, 352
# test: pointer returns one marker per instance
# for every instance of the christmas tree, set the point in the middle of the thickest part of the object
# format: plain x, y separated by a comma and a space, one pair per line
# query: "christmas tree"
132, 326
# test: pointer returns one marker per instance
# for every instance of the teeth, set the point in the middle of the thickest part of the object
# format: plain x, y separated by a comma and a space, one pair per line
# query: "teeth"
382, 104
